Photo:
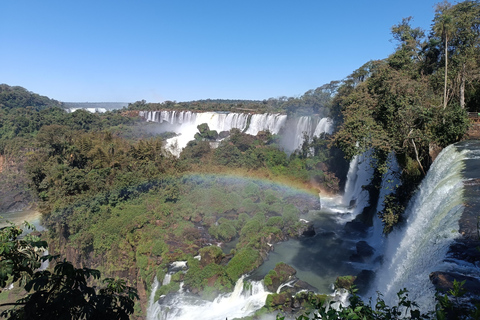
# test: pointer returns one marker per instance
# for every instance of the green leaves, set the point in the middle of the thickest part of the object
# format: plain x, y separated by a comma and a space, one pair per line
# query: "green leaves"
358, 309
20, 257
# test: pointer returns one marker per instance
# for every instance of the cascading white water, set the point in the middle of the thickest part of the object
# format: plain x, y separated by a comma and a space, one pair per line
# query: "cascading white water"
91, 110
325, 125
307, 125
359, 174
413, 252
185, 124
152, 307
45, 264
242, 302
390, 181
304, 126
266, 121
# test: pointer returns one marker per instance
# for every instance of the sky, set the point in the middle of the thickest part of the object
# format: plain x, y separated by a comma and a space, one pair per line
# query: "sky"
183, 50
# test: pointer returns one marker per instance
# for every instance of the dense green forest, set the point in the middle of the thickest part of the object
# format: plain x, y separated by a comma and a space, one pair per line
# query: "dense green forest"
113, 198
315, 101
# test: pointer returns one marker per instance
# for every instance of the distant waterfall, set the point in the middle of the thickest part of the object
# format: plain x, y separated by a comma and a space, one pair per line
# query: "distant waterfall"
91, 110
307, 125
266, 121
242, 302
185, 124
419, 248
325, 125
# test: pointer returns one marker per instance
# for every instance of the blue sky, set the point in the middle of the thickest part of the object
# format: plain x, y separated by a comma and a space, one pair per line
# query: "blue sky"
126, 50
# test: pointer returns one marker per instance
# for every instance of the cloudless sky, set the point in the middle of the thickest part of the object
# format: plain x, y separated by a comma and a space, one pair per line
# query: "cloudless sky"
129, 50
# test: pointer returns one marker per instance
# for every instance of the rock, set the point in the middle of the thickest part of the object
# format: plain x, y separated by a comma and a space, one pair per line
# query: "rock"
465, 250
363, 280
355, 257
223, 134
344, 282
364, 249
356, 228
302, 286
443, 282
309, 231
281, 274
352, 203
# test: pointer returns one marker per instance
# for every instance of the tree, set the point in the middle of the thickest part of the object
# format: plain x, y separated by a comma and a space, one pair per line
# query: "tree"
19, 257
443, 28
410, 42
63, 294
459, 28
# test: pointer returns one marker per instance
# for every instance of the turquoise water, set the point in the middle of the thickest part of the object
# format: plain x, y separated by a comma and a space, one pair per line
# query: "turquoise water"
319, 260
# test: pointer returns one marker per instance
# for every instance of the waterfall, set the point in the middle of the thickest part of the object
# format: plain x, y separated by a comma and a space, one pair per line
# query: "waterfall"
91, 110
325, 125
185, 124
152, 306
311, 126
242, 302
413, 252
266, 121
45, 264
304, 126
359, 174
390, 181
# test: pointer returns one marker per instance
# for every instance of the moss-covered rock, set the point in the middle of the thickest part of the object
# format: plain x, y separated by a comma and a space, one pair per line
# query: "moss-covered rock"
344, 282
281, 274
210, 254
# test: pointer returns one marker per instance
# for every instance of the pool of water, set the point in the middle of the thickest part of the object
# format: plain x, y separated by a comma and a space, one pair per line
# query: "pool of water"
320, 259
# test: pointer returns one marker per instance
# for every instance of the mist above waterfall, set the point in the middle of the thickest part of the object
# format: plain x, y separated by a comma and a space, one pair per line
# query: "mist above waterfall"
291, 129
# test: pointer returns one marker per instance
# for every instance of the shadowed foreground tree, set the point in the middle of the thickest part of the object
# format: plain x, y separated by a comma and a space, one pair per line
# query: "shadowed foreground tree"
63, 294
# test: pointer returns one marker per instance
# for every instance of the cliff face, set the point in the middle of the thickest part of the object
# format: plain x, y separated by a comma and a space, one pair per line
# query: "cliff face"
14, 194
81, 259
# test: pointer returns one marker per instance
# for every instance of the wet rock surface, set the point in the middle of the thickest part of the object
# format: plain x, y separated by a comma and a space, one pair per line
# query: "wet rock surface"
444, 282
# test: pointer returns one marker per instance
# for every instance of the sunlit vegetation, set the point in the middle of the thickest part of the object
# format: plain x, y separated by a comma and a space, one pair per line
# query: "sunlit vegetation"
113, 193
110, 191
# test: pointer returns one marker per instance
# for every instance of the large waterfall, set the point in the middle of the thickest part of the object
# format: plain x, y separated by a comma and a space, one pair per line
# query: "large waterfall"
419, 248
185, 124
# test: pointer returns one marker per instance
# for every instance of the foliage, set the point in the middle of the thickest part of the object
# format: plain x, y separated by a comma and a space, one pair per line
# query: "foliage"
63, 294
395, 105
20, 257
358, 309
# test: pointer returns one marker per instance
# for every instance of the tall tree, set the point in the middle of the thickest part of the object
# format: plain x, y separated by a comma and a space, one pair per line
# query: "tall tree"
459, 28
442, 27
466, 41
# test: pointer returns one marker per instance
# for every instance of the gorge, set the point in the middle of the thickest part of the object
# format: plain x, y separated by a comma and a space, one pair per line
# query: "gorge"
399, 260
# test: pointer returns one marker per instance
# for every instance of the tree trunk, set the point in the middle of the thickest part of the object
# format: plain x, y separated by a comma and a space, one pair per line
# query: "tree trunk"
446, 68
462, 87
416, 156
